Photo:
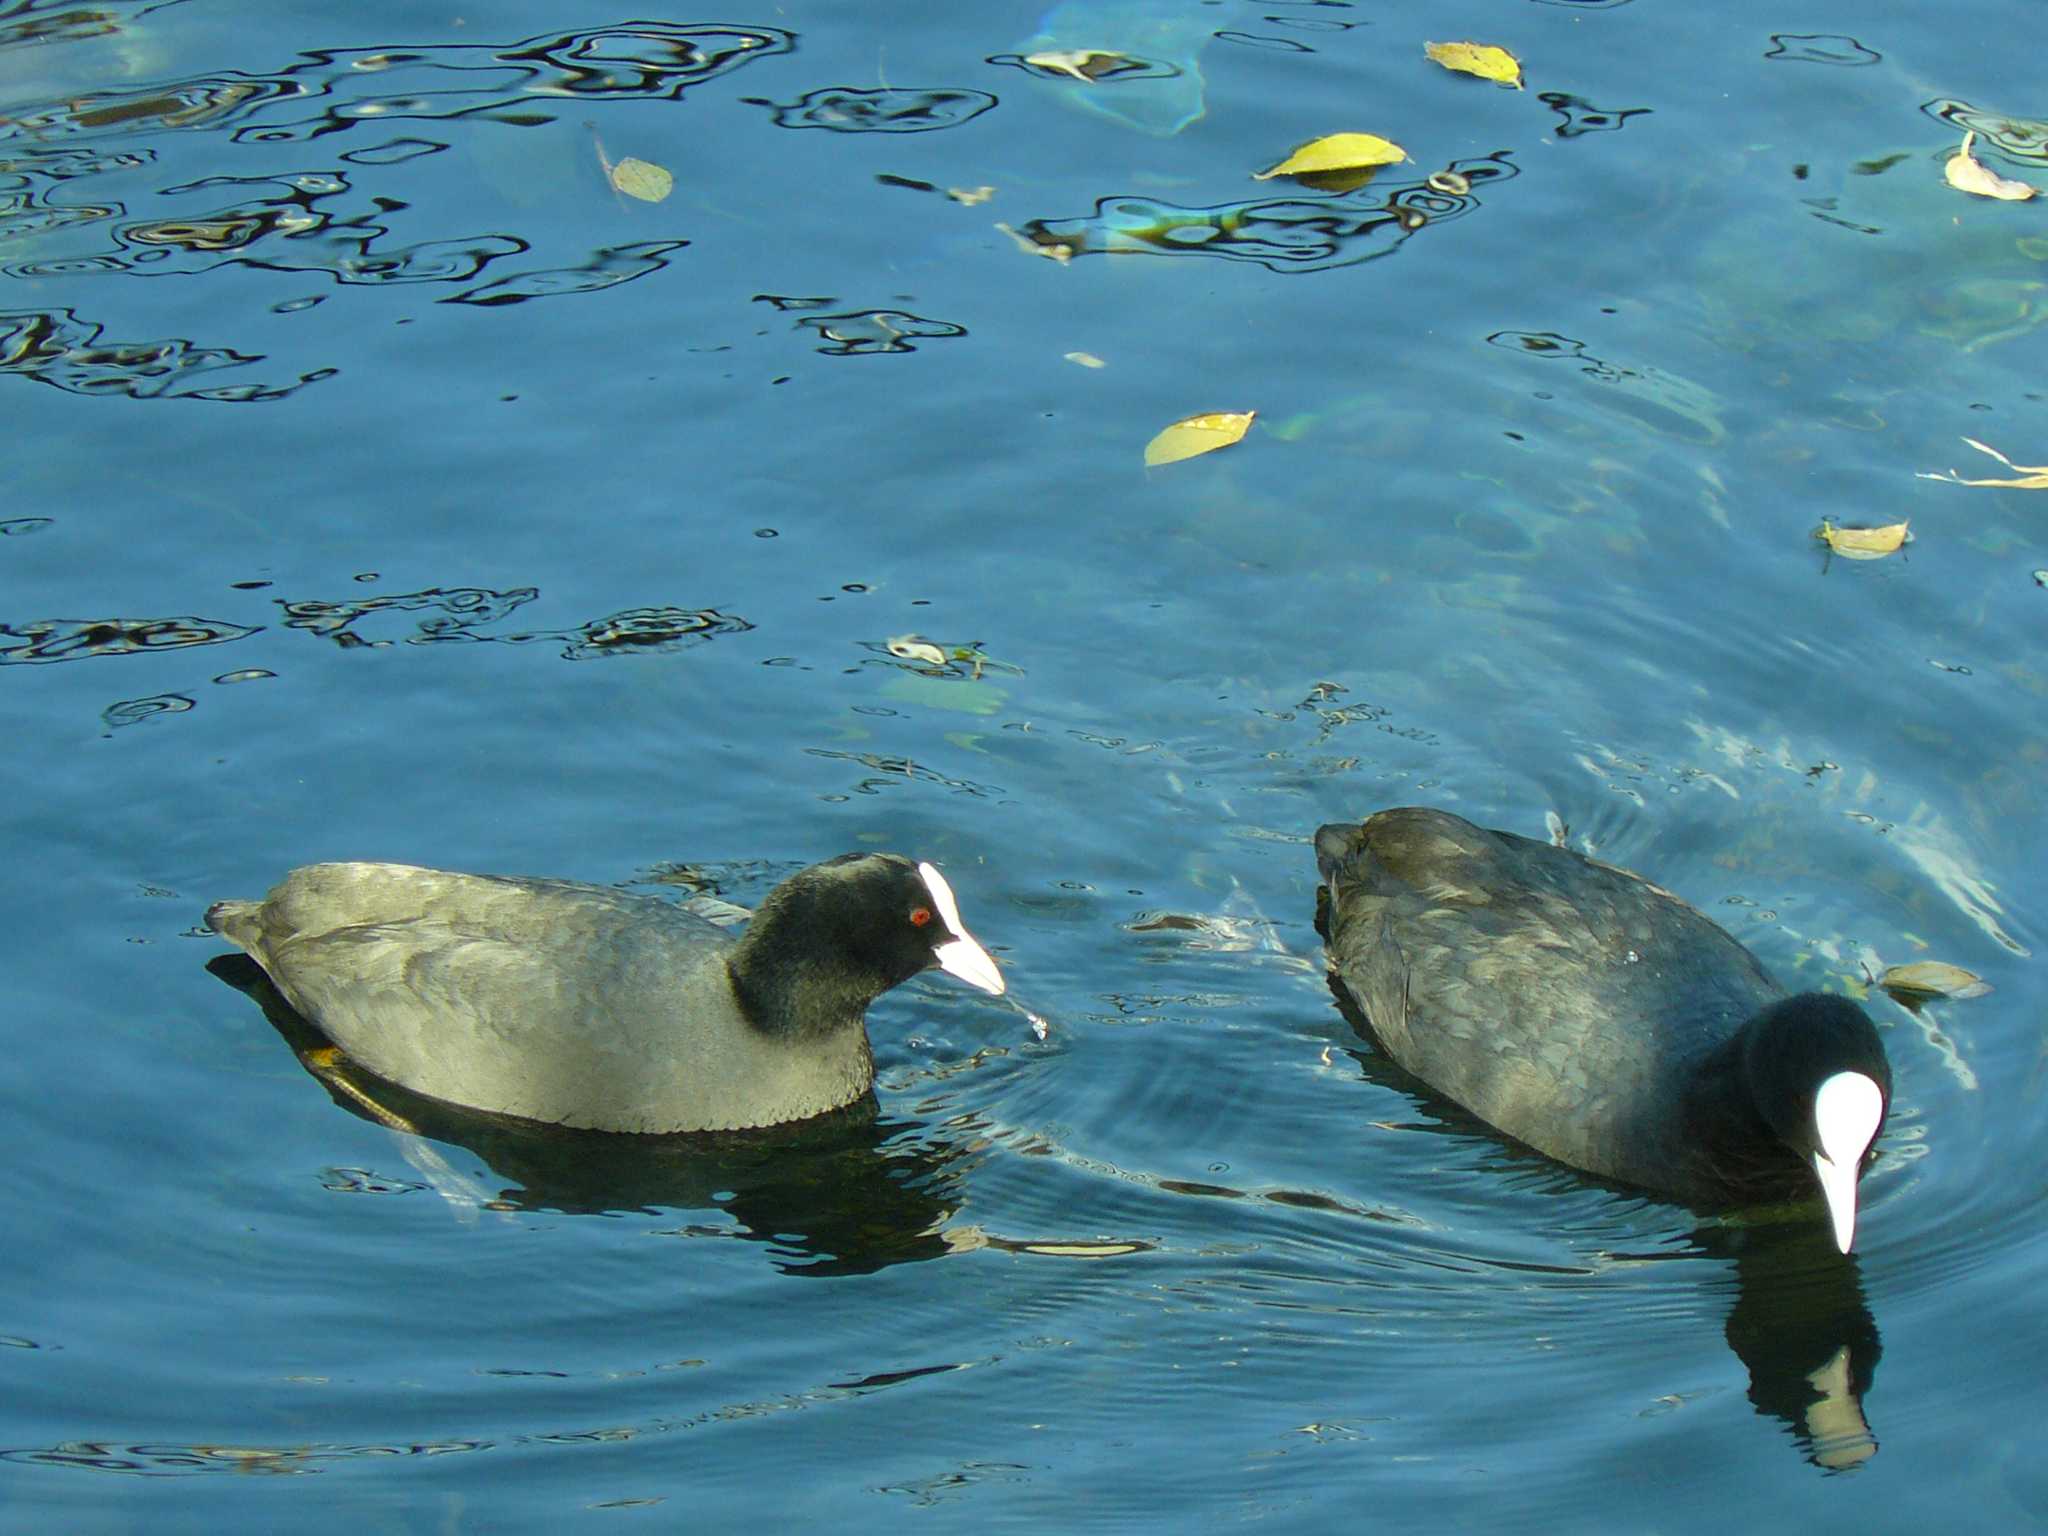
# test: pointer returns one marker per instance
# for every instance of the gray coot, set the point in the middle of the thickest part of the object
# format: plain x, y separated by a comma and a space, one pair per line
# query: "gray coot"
1599, 1019
585, 1006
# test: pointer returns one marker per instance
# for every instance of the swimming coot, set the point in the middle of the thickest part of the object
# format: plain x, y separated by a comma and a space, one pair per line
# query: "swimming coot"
1599, 1019
582, 1005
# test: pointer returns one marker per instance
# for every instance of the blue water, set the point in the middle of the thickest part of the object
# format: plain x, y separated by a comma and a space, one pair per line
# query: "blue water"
383, 484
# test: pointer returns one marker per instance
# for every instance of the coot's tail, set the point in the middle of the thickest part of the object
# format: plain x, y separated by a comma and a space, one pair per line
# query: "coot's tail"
1336, 845
233, 920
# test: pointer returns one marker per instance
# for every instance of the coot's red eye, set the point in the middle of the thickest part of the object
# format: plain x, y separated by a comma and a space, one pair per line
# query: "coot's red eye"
919, 916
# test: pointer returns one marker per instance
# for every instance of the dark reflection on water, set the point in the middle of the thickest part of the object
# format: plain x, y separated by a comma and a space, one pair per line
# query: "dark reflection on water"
462, 613
846, 1193
848, 109
646, 60
58, 348
1798, 1322
49, 640
1297, 233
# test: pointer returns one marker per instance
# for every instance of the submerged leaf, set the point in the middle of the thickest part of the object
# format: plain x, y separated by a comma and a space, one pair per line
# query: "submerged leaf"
642, 179
2035, 476
1085, 64
1932, 978
916, 648
1336, 152
1192, 435
1481, 59
1863, 543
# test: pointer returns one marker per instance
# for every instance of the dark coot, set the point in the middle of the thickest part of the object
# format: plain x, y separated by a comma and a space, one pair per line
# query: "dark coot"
585, 1006
1599, 1019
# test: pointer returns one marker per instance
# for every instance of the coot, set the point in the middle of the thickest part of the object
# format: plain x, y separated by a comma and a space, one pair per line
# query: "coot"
1599, 1019
581, 1005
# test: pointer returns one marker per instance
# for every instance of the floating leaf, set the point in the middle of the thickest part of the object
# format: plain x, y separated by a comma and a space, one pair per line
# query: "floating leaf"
914, 648
1085, 359
1863, 543
1197, 434
1481, 59
642, 179
1966, 173
1337, 152
1085, 64
2035, 475
1932, 978
970, 196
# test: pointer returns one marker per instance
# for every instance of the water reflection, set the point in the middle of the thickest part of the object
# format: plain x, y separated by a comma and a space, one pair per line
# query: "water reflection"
1799, 1321
1294, 233
848, 1193
1801, 1325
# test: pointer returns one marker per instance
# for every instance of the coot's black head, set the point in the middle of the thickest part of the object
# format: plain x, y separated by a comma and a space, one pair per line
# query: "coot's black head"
1818, 1071
834, 937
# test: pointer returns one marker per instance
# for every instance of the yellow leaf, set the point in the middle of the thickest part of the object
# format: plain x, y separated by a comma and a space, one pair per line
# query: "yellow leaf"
2034, 476
1863, 543
1085, 359
1966, 173
642, 179
1197, 434
1085, 64
1336, 152
1933, 978
1481, 59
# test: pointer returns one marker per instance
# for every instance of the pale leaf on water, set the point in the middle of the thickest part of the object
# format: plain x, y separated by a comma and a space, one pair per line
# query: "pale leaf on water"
916, 648
1481, 59
1863, 543
642, 179
1966, 173
1193, 435
1932, 978
1085, 64
1336, 152
2034, 477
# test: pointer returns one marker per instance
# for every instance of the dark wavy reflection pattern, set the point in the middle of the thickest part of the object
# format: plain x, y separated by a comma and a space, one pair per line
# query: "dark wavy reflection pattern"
1821, 48
46, 640
57, 348
462, 613
1580, 117
2021, 137
1283, 234
866, 332
845, 109
895, 772
315, 223
133, 711
642, 60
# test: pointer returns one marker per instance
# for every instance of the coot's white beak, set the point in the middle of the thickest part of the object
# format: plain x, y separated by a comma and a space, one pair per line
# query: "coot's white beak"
1846, 1112
960, 954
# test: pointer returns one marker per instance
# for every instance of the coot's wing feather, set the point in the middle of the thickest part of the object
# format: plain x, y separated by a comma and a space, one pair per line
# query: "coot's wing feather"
1533, 987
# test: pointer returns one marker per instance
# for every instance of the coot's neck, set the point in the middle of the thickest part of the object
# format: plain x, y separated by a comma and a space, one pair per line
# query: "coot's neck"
1734, 1147
785, 990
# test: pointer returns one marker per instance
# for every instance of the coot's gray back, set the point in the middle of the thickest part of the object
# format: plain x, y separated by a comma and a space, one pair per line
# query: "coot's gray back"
1569, 1003
571, 1004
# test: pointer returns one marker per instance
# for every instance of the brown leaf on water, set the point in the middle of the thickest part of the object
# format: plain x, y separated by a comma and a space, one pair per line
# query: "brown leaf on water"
2035, 476
1863, 543
1966, 173
1932, 978
1193, 435
1481, 59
